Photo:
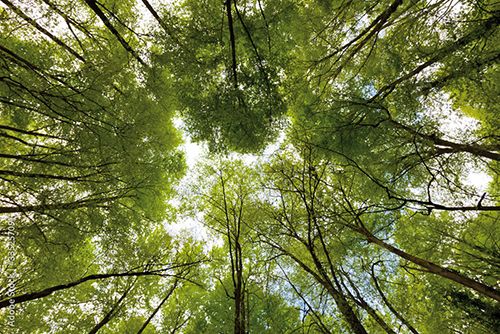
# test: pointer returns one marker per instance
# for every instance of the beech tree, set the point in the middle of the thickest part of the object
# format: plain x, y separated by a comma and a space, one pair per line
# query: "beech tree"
348, 181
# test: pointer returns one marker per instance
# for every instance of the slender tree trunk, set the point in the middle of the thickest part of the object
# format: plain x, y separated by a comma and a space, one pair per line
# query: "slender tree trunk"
374, 314
237, 310
233, 232
93, 5
246, 311
81, 178
324, 329
239, 292
340, 299
338, 296
474, 65
359, 300
488, 25
157, 17
48, 291
113, 310
58, 206
44, 31
346, 310
389, 305
481, 288
232, 41
476, 150
343, 305
27, 132
169, 293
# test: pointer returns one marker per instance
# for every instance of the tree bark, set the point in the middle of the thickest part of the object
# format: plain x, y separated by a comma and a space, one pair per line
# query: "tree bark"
476, 150
33, 23
48, 291
111, 313
169, 293
59, 206
93, 5
389, 305
232, 41
481, 288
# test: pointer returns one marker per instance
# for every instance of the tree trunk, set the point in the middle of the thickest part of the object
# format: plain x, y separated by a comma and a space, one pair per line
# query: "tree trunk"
169, 293
93, 5
346, 310
58, 206
44, 31
48, 291
433, 268
389, 305
111, 313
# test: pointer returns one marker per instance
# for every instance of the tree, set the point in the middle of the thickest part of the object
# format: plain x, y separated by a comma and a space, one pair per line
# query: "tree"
313, 201
227, 203
350, 183
227, 76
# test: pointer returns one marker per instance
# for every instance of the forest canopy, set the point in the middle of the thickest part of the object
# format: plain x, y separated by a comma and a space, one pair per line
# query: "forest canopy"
349, 181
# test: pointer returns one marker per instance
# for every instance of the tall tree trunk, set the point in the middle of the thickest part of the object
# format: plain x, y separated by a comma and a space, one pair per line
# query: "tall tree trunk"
148, 320
473, 149
340, 300
237, 310
322, 278
239, 292
48, 291
389, 305
93, 5
44, 31
359, 300
59, 206
346, 310
455, 276
232, 41
111, 313
487, 25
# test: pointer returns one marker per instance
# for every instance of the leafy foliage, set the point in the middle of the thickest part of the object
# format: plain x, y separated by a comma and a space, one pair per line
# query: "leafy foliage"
350, 183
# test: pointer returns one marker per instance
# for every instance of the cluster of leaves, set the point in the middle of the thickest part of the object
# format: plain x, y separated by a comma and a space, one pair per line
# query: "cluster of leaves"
363, 220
